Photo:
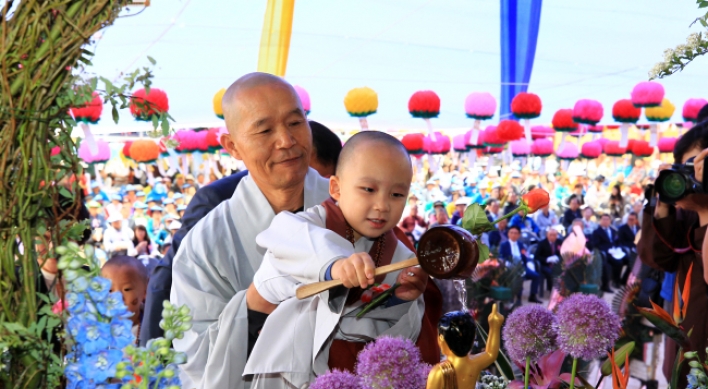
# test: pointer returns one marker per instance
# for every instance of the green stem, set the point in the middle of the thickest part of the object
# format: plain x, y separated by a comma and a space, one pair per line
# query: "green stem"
378, 300
512, 213
526, 375
573, 373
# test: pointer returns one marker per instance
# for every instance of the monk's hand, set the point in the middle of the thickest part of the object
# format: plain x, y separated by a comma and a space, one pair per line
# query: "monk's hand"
357, 270
413, 282
495, 319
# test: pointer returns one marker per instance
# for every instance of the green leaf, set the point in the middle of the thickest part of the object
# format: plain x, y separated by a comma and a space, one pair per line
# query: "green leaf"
483, 251
676, 371
669, 330
65, 192
152, 61
114, 112
155, 121
165, 127
619, 358
475, 220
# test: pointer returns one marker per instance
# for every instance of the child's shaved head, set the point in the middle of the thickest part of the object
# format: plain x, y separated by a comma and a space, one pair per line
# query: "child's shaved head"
129, 276
372, 142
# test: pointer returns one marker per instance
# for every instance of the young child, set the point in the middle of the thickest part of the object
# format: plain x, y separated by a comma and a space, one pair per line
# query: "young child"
345, 240
130, 277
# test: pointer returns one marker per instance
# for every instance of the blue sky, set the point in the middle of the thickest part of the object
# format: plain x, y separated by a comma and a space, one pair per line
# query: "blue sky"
596, 49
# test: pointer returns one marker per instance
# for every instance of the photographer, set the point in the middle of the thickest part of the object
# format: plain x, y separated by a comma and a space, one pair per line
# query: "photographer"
672, 238
698, 165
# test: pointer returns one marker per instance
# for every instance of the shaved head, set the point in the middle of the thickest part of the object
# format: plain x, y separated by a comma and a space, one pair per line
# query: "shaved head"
127, 262
230, 102
377, 141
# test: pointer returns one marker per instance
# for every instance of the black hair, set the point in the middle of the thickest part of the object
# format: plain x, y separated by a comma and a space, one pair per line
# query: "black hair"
702, 114
459, 331
633, 214
606, 214
696, 137
326, 143
135, 236
515, 228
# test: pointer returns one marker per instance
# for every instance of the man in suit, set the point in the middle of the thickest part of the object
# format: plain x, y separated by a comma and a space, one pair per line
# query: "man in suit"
625, 239
572, 213
498, 236
514, 252
325, 152
603, 239
547, 249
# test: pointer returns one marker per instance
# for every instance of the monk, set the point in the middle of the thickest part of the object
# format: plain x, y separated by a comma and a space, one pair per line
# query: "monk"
344, 238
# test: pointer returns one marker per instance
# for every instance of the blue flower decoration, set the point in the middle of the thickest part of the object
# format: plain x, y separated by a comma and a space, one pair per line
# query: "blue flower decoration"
79, 285
99, 288
95, 336
121, 333
74, 374
113, 306
76, 303
102, 366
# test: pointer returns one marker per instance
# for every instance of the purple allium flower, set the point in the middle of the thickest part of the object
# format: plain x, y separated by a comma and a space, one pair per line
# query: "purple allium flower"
587, 327
530, 331
337, 379
392, 363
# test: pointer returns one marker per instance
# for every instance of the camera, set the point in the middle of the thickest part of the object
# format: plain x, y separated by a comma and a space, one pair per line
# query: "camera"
678, 182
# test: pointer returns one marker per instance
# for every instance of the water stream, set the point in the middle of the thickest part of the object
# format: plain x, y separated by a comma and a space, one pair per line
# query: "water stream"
461, 293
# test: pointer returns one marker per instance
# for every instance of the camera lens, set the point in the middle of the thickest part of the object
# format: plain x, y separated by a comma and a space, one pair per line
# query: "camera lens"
673, 186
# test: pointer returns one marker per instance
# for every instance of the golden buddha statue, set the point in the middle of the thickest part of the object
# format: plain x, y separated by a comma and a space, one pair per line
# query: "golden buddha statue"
456, 334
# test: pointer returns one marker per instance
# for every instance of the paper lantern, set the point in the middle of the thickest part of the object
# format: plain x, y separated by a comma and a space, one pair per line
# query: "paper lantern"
613, 149
520, 148
625, 112
666, 145
579, 132
491, 138
103, 155
144, 151
660, 113
588, 111
191, 141
602, 141
542, 147
563, 121
596, 129
647, 94
424, 104
475, 144
89, 112
304, 98
143, 105
213, 139
539, 132
413, 143
492, 150
691, 109
126, 149
459, 144
360, 103
526, 105
217, 103
509, 130
480, 106
439, 144
591, 150
568, 152
641, 148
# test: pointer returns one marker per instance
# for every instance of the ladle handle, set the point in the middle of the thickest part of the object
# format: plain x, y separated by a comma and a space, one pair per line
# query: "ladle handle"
314, 288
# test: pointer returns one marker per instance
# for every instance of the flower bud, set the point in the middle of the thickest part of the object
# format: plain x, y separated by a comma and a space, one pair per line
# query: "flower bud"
163, 351
695, 364
179, 358
168, 373
169, 334
186, 326
184, 310
61, 250
690, 354
73, 246
75, 264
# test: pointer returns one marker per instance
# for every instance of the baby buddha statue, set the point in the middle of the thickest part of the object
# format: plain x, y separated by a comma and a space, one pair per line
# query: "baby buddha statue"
456, 334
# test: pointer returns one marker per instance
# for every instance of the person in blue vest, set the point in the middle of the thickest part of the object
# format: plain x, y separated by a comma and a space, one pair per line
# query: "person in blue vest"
325, 152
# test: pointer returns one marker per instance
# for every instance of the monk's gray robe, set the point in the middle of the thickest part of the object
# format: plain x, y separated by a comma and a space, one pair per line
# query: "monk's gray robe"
213, 268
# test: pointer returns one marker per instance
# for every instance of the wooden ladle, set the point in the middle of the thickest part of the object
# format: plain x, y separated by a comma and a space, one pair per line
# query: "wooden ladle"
444, 252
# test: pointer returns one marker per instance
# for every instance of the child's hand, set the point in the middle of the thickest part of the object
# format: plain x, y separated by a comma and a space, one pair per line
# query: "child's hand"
413, 282
357, 270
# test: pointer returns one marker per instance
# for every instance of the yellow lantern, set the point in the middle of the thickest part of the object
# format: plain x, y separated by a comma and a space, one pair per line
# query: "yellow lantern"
217, 103
656, 115
361, 102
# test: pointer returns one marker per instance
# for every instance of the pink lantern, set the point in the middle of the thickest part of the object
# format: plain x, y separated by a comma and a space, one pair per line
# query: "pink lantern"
591, 150
438, 145
568, 151
596, 129
479, 106
459, 143
691, 109
666, 145
647, 94
103, 154
539, 132
471, 144
304, 98
588, 111
602, 142
520, 148
542, 147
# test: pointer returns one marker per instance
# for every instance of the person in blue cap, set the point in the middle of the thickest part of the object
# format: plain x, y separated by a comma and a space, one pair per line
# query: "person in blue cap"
140, 218
130, 193
155, 227
140, 195
169, 206
97, 193
180, 210
178, 199
115, 206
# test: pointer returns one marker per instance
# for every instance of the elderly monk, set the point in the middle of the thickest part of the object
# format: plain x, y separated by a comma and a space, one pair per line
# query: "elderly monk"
218, 258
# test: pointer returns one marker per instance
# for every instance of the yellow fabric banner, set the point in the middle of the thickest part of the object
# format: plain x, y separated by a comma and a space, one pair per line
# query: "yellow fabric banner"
275, 38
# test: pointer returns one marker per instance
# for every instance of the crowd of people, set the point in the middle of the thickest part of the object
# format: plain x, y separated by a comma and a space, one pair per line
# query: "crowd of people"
141, 222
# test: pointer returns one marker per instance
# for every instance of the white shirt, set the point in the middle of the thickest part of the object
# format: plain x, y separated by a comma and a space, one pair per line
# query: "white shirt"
114, 240
515, 252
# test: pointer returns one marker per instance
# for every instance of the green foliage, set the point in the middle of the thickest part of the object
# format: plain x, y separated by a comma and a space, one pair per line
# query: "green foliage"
475, 220
676, 59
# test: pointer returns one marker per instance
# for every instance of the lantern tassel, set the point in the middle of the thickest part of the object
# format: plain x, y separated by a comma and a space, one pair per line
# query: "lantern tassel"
565, 164
472, 158
653, 134
563, 138
431, 133
90, 141
364, 124
96, 171
527, 130
542, 168
624, 135
185, 165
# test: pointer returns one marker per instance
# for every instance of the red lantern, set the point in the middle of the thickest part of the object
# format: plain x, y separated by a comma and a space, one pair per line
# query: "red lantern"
90, 112
144, 151
613, 149
492, 139
625, 112
424, 104
509, 130
526, 106
213, 139
413, 143
641, 148
492, 150
563, 121
143, 106
126, 149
